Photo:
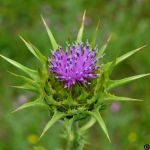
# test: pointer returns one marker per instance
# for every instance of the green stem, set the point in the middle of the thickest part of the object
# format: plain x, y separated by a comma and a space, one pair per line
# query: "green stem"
76, 140
74, 135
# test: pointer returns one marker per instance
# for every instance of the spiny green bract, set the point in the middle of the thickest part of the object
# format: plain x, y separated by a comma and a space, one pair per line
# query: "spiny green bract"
79, 102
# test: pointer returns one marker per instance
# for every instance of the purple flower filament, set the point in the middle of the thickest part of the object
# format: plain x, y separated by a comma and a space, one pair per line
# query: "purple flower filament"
76, 64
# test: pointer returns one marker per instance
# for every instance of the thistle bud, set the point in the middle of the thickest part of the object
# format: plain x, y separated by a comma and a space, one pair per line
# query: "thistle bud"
73, 83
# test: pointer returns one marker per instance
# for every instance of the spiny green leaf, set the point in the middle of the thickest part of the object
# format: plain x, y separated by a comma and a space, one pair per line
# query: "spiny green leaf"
30, 81
111, 67
51, 101
27, 88
49, 88
108, 97
57, 115
38, 102
63, 92
70, 102
34, 50
80, 33
99, 89
120, 59
31, 73
101, 51
69, 39
40, 73
100, 83
54, 44
95, 113
115, 83
83, 95
47, 66
42, 57
92, 45
105, 106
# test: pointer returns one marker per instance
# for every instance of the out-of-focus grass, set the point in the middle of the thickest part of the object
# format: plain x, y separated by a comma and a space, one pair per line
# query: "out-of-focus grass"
127, 21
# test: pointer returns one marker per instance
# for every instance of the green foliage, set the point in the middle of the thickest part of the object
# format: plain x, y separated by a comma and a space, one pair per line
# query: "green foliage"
57, 115
54, 44
37, 102
34, 51
95, 113
80, 33
28, 71
102, 50
92, 45
113, 84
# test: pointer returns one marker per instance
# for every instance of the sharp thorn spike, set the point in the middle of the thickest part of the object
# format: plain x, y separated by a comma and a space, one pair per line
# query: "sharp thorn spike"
136, 100
108, 138
139, 48
147, 74
22, 39
41, 136
83, 19
14, 86
29, 42
108, 39
12, 73
117, 55
2, 56
43, 20
97, 26
15, 111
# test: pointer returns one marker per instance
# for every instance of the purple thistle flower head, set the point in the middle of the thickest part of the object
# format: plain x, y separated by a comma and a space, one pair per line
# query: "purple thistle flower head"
78, 63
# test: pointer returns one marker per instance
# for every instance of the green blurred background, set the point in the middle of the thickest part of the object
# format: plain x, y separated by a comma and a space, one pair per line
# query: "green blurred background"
129, 23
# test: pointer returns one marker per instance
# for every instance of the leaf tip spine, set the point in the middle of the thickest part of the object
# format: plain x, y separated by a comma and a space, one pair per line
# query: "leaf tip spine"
41, 136
97, 26
139, 48
108, 138
108, 39
83, 19
12, 73
136, 100
44, 21
15, 111
147, 74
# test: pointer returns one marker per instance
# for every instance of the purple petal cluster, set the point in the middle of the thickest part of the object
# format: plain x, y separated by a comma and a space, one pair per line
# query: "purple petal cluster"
76, 64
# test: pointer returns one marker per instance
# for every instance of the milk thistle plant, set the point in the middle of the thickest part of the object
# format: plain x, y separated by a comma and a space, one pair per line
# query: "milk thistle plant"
73, 84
